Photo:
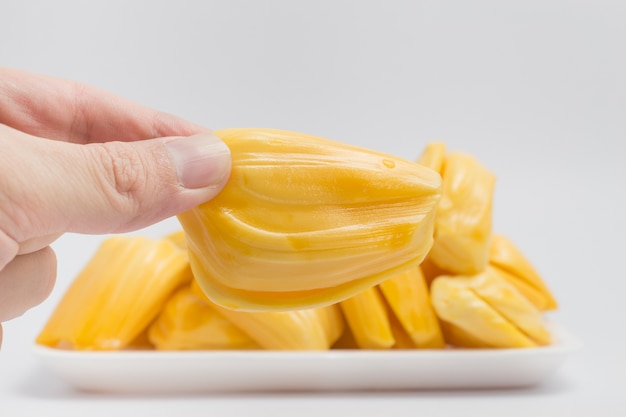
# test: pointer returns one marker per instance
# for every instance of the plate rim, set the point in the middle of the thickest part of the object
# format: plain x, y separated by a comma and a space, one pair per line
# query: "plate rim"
566, 343
210, 371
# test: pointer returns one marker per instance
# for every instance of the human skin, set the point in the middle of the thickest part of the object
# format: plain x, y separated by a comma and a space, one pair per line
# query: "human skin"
74, 158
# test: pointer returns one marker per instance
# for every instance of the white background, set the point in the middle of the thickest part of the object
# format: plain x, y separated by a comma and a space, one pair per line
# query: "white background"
535, 89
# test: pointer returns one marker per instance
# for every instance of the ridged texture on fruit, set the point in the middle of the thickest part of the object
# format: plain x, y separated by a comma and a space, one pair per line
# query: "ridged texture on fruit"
464, 216
118, 293
306, 222
407, 295
488, 311
368, 320
187, 322
515, 267
306, 329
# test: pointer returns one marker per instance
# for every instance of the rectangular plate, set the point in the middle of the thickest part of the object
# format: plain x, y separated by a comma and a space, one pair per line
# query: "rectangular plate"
335, 370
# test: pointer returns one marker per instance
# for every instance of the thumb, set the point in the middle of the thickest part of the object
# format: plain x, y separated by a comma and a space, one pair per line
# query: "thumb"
108, 187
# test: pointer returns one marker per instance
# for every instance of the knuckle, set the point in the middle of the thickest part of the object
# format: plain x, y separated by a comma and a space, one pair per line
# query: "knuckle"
125, 176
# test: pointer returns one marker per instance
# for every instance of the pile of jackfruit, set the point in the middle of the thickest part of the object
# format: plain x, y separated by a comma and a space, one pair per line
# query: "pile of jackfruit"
314, 245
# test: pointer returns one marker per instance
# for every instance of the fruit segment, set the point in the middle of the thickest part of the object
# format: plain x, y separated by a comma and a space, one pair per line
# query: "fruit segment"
188, 323
409, 299
515, 267
178, 238
433, 156
118, 293
463, 221
488, 311
366, 315
306, 222
511, 304
306, 329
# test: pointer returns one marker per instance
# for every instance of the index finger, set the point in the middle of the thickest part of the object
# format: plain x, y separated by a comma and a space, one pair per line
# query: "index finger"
66, 110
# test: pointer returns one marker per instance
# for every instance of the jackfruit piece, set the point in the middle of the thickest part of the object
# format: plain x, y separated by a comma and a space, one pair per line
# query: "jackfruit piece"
464, 216
367, 318
118, 293
401, 338
457, 337
407, 295
346, 340
504, 255
511, 304
532, 294
433, 156
187, 322
430, 270
178, 238
140, 342
306, 329
306, 222
332, 321
456, 302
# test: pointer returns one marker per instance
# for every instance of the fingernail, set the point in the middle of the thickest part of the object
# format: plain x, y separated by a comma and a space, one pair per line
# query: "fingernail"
201, 161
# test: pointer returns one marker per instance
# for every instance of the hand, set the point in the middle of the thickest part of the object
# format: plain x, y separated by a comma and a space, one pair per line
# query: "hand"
77, 159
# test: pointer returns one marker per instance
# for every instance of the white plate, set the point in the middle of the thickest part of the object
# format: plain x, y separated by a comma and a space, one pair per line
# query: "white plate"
214, 371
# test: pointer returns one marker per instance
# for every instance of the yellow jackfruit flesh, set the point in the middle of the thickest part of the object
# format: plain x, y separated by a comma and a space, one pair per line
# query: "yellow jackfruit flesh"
368, 320
433, 156
457, 337
178, 238
505, 256
306, 222
284, 330
119, 292
332, 321
188, 323
488, 310
511, 304
346, 340
457, 304
402, 340
305, 329
407, 295
464, 214
430, 270
533, 295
